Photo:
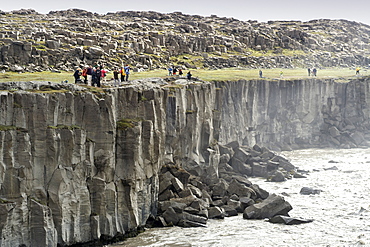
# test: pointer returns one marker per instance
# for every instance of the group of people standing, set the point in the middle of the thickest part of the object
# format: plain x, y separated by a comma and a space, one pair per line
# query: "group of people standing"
312, 72
172, 70
95, 75
121, 75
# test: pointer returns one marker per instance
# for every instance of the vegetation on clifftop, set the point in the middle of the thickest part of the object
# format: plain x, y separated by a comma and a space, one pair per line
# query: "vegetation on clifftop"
203, 74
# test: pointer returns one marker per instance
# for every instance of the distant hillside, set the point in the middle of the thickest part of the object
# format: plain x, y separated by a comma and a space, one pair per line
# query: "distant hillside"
62, 40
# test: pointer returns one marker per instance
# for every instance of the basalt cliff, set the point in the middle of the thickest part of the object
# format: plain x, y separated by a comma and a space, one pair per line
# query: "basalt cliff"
76, 165
62, 40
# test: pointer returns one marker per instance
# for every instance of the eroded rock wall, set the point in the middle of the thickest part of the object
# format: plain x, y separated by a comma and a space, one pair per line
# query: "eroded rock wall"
77, 166
295, 114
70, 173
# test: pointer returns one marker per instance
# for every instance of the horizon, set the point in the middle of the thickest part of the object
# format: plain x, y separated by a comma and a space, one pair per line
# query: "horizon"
262, 11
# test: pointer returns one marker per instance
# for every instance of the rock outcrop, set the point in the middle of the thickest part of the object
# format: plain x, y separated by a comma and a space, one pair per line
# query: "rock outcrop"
61, 40
78, 164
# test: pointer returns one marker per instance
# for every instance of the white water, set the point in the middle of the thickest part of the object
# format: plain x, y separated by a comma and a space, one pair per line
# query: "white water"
337, 221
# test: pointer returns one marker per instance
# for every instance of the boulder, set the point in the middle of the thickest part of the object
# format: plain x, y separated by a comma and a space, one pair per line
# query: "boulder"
245, 202
234, 145
178, 207
193, 218
177, 184
280, 219
277, 177
241, 167
186, 200
219, 190
259, 170
215, 213
261, 193
171, 217
52, 44
235, 204
298, 175
195, 191
241, 190
241, 155
229, 210
271, 206
166, 195
309, 191
165, 181
185, 193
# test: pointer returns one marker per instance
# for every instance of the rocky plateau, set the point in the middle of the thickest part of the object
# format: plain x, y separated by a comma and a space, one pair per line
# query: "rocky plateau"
62, 40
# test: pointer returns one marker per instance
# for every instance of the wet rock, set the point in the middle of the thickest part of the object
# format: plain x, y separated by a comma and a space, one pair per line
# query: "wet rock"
245, 202
310, 191
171, 217
278, 176
215, 213
271, 206
280, 219
261, 193
193, 218
219, 190
333, 168
298, 175
229, 210
241, 190
235, 204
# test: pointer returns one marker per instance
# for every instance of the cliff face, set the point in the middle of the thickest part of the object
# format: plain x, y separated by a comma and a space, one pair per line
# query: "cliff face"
76, 165
296, 114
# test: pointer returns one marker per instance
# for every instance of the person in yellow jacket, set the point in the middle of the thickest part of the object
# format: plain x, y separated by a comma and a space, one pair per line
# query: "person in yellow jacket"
357, 71
123, 74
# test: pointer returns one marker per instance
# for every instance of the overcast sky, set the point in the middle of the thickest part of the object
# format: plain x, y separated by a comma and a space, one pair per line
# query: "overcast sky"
261, 10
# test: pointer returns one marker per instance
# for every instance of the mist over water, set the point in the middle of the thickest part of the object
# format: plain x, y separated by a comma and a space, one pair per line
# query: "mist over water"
340, 212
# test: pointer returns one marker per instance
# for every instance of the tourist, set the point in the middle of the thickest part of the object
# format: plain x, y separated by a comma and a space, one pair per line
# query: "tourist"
89, 75
309, 71
180, 72
123, 74
77, 75
189, 75
260, 73
357, 71
103, 74
174, 71
84, 74
314, 72
127, 71
170, 71
96, 77
115, 76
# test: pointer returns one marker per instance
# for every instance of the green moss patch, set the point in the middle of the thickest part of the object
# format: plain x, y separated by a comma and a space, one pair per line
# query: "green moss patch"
7, 127
61, 126
125, 123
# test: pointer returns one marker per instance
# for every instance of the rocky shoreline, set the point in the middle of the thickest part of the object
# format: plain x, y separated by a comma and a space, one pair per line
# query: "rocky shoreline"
188, 200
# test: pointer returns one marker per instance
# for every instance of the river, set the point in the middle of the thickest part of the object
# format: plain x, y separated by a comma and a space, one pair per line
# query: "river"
340, 212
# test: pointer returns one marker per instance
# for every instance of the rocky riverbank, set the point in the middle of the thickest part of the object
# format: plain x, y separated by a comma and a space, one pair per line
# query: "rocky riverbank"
188, 200
62, 40
81, 164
